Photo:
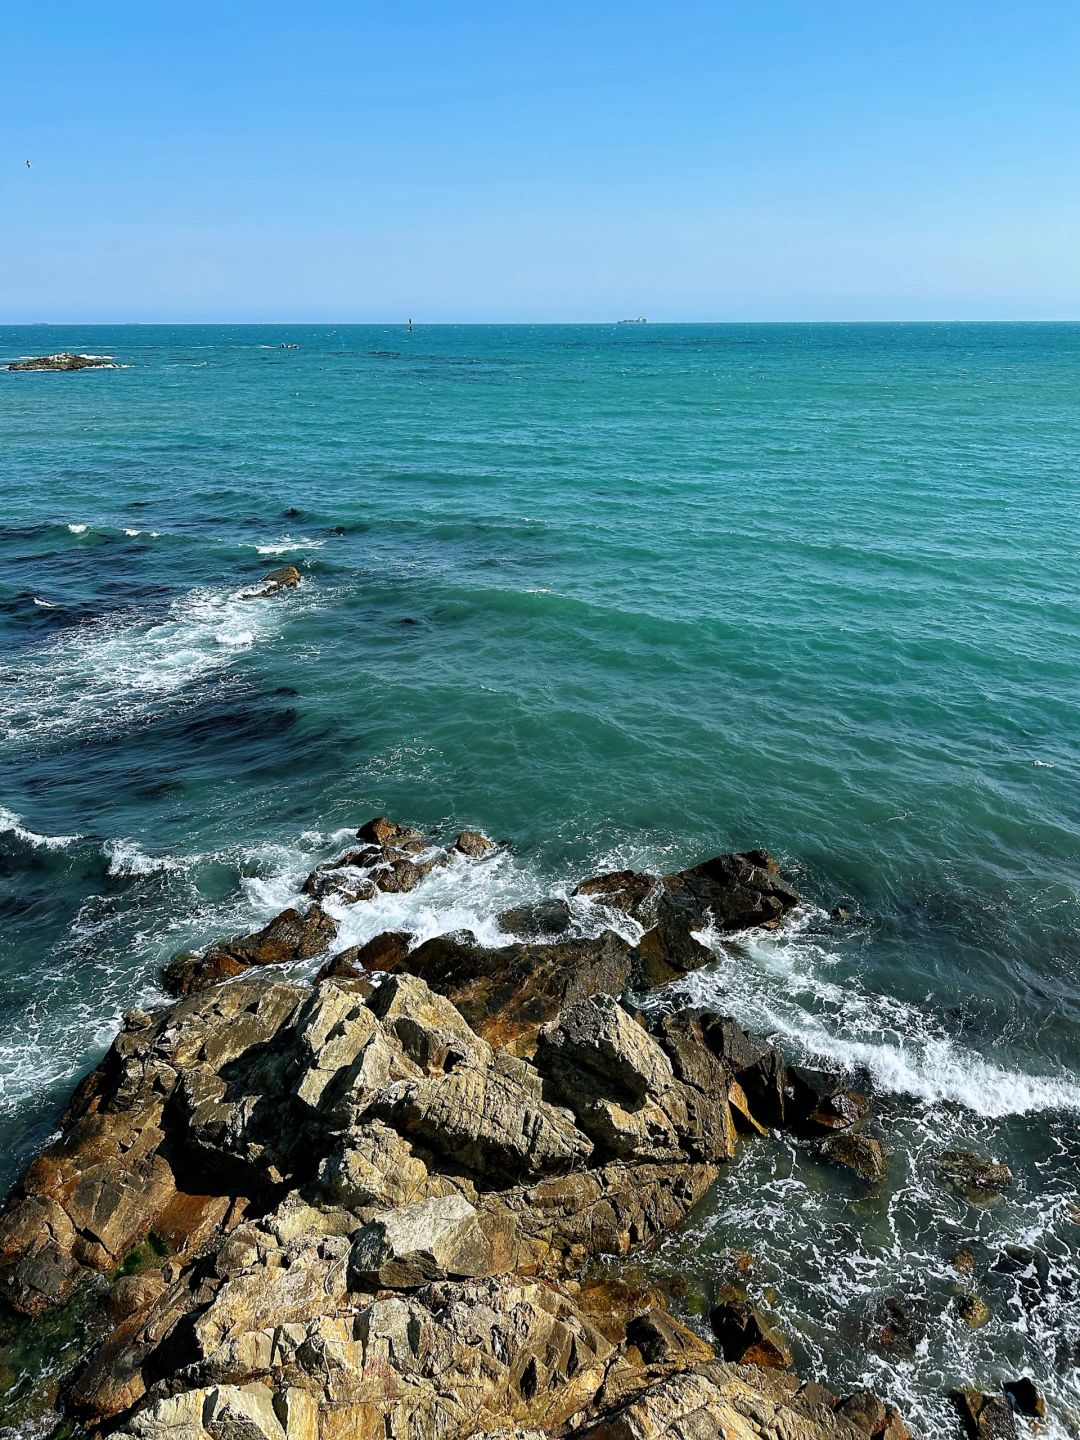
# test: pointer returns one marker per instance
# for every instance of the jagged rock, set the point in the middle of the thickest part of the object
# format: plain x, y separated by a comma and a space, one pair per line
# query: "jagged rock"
440, 1238
474, 844
105, 1184
726, 893
384, 952
1026, 1397
816, 1103
370, 1207
861, 1154
985, 1417
978, 1180
872, 1416
285, 577
486, 1121
65, 360
716, 1399
289, 937
540, 918
507, 993
745, 1336
623, 1089
606, 1211
388, 834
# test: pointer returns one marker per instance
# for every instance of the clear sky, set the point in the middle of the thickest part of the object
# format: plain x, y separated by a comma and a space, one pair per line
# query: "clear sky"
766, 159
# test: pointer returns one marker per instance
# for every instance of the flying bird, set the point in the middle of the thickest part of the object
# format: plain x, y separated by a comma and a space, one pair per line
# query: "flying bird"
28, 164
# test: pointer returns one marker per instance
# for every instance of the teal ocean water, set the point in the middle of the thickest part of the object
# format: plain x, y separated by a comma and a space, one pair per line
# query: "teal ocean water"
624, 595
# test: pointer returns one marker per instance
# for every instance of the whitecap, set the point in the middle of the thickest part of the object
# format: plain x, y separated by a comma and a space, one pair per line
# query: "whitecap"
45, 604
11, 824
286, 544
127, 858
775, 982
78, 529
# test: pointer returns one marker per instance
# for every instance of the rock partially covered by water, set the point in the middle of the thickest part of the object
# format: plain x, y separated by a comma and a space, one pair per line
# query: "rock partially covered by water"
985, 1417
285, 577
289, 937
725, 894
863, 1155
744, 1335
977, 1179
65, 360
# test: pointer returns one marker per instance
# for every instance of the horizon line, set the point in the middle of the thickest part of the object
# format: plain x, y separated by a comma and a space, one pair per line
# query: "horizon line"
478, 324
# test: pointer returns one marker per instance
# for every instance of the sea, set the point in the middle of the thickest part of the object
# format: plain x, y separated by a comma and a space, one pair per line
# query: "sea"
620, 595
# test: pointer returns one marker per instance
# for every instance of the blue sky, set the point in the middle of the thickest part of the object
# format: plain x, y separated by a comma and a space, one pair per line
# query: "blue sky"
527, 161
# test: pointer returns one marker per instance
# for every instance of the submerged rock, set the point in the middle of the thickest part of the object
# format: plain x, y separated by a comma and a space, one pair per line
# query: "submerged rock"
861, 1154
979, 1180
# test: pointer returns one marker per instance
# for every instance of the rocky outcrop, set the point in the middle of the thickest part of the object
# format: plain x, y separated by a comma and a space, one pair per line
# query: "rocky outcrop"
289, 937
985, 1417
285, 577
725, 894
65, 360
371, 1200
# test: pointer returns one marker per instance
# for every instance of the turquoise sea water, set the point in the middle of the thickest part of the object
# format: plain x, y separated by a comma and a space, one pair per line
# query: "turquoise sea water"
622, 595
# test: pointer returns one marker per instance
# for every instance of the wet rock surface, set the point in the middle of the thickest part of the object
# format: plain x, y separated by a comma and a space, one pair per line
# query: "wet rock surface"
368, 1201
65, 360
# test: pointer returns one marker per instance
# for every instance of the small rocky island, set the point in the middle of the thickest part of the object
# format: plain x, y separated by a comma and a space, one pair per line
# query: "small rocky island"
65, 360
371, 1203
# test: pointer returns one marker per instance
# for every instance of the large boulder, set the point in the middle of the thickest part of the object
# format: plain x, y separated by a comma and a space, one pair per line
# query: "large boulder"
289, 937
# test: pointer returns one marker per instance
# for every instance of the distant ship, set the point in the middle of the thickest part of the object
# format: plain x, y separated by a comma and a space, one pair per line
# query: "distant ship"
639, 321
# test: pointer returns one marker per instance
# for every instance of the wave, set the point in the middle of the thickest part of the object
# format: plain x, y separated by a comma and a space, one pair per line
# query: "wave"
116, 668
11, 824
287, 544
127, 858
774, 983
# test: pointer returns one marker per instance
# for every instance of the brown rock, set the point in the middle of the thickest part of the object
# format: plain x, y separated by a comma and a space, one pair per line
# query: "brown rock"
474, 844
65, 360
388, 834
985, 1417
973, 1310
978, 1180
532, 921
1026, 1397
289, 937
746, 1337
861, 1154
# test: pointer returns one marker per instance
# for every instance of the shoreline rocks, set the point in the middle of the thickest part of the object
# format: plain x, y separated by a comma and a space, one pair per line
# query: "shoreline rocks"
367, 1205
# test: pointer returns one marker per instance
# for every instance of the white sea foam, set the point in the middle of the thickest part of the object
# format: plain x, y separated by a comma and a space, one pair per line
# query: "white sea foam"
127, 858
45, 604
777, 982
119, 667
286, 544
11, 824
78, 529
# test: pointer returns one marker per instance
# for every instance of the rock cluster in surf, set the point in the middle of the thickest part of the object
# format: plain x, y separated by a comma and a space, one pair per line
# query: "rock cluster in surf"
368, 1205
65, 360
